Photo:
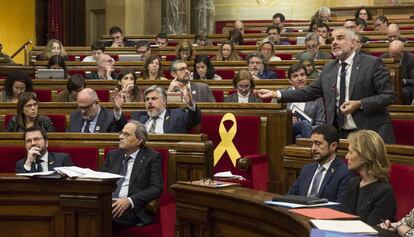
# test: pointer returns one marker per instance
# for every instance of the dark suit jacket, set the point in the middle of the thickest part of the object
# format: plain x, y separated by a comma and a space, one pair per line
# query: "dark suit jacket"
175, 120
333, 186
201, 92
369, 83
54, 160
320, 55
146, 178
235, 98
268, 74
104, 124
377, 201
407, 62
43, 121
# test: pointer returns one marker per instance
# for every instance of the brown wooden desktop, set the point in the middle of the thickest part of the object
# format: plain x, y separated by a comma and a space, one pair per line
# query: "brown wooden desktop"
55, 207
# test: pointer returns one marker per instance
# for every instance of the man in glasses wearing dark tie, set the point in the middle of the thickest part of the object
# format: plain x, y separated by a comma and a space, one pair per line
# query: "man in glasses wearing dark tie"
356, 89
91, 117
328, 176
142, 182
38, 159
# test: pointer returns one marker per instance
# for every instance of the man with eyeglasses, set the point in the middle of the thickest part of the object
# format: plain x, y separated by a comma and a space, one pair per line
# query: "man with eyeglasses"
273, 33
256, 67
312, 47
156, 118
118, 39
381, 24
91, 117
38, 159
200, 92
143, 49
141, 167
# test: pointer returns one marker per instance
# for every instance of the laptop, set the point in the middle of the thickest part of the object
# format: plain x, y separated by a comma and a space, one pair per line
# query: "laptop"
43, 73
130, 58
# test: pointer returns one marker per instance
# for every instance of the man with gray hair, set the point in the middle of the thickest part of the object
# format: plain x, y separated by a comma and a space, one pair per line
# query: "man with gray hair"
324, 14
256, 67
142, 182
356, 89
157, 118
312, 47
394, 33
91, 117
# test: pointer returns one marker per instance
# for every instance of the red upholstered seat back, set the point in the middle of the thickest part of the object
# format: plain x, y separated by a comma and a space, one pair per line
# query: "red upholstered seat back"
43, 95
226, 73
401, 179
284, 56
9, 156
219, 95
59, 121
85, 157
103, 95
80, 72
246, 139
403, 131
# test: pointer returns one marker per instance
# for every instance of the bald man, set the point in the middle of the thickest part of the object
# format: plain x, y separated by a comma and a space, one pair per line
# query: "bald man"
90, 116
238, 25
406, 59
394, 33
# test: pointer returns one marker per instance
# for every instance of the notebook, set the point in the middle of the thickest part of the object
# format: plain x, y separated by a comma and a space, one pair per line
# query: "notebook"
300, 199
43, 73
323, 213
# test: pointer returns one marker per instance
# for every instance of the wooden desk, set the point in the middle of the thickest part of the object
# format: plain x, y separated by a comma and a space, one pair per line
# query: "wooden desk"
50, 207
233, 212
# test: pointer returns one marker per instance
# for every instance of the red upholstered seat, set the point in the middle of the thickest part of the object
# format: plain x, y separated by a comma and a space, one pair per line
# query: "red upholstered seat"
281, 74
80, 72
9, 156
59, 121
403, 131
170, 57
284, 56
246, 141
226, 73
401, 179
377, 54
43, 95
219, 95
103, 95
165, 218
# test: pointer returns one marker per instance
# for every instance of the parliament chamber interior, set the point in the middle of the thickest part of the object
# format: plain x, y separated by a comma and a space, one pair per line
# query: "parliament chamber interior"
241, 101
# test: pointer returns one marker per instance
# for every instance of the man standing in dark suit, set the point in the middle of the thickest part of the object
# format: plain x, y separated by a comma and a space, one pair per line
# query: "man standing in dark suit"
328, 176
406, 59
142, 170
356, 89
157, 119
38, 158
91, 117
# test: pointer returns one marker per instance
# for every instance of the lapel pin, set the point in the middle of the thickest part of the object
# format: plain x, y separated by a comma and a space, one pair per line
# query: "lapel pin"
167, 117
97, 128
332, 170
51, 162
193, 92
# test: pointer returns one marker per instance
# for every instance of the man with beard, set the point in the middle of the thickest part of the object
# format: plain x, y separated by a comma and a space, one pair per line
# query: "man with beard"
38, 158
356, 89
328, 176
91, 117
200, 92
157, 119
256, 67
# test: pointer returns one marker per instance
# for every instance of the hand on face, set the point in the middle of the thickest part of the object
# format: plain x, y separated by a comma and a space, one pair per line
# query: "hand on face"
175, 85
33, 153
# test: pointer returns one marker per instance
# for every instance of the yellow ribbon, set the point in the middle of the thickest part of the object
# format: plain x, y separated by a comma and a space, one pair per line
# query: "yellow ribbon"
226, 143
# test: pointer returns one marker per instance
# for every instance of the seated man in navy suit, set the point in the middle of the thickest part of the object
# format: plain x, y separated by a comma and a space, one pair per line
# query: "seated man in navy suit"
38, 158
91, 117
157, 118
256, 67
328, 176
142, 168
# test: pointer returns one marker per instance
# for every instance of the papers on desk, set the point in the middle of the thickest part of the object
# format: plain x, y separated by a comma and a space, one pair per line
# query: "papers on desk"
325, 233
348, 226
323, 213
45, 174
84, 173
228, 175
296, 205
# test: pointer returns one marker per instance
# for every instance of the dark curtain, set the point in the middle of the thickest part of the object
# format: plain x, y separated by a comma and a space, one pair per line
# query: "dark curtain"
55, 20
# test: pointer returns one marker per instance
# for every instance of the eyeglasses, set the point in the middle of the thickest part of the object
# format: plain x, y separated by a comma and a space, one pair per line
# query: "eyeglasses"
241, 87
180, 68
86, 107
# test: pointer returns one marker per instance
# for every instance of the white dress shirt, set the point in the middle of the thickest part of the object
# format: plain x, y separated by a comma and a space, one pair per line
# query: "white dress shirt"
159, 126
123, 192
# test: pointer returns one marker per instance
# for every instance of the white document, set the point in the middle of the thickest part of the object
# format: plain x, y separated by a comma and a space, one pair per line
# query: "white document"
296, 205
43, 173
228, 174
84, 173
346, 226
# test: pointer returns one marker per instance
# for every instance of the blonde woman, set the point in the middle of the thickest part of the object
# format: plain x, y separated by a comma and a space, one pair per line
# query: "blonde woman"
53, 47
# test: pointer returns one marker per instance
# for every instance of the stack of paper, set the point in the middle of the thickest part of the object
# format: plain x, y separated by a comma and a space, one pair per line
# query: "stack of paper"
354, 226
323, 213
296, 205
228, 174
84, 173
